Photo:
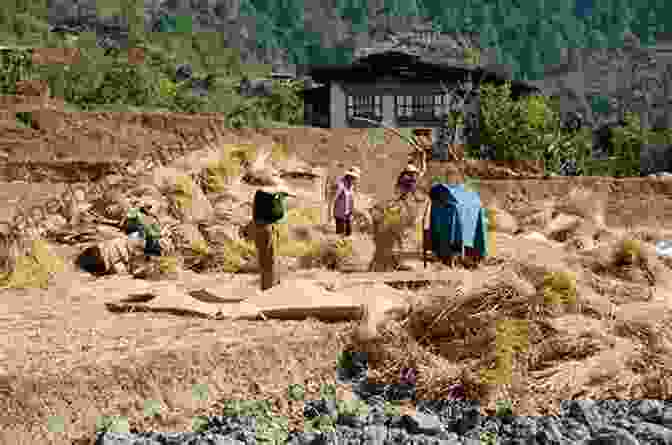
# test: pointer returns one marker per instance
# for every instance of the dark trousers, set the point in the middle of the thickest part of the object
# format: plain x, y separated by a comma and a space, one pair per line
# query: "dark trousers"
265, 238
344, 226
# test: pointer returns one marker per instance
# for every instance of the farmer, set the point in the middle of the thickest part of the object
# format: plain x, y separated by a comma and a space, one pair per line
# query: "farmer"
454, 176
270, 209
407, 181
344, 201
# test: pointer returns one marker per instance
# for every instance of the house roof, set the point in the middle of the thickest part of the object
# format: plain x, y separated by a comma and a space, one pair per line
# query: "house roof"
406, 66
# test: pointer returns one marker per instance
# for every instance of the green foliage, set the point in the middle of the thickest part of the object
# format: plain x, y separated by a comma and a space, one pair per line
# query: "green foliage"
113, 424
530, 129
504, 408
271, 428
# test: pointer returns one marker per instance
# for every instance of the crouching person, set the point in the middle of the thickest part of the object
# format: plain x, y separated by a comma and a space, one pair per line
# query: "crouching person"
269, 209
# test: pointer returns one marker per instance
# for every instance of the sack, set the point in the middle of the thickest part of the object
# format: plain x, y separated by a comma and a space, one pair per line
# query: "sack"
269, 208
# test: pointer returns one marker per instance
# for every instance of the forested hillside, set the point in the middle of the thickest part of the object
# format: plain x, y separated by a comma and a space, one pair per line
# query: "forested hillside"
526, 34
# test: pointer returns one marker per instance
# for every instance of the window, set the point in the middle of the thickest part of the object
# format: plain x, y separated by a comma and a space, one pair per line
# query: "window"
369, 107
420, 108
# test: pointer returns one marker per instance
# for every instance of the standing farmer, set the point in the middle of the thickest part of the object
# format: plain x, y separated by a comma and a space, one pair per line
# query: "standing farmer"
269, 209
407, 182
344, 201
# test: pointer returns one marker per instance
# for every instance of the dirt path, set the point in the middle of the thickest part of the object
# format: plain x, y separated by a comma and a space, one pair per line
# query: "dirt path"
66, 355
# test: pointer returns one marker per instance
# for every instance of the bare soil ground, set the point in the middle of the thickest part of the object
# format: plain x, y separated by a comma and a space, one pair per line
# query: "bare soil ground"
65, 355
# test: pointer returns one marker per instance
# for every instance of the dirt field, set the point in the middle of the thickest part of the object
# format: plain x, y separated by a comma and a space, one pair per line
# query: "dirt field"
66, 356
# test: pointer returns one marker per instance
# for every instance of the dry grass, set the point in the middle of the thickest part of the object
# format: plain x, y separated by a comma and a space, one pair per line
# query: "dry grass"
168, 265
392, 223
220, 173
560, 288
299, 248
35, 267
172, 389
183, 192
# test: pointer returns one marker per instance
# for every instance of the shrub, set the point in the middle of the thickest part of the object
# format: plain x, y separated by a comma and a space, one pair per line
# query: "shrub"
200, 247
168, 265
628, 251
559, 288
233, 254
34, 269
279, 152
183, 192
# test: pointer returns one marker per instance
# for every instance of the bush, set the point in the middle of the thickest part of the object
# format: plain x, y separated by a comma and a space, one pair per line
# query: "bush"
34, 269
183, 192
559, 288
168, 265
628, 251
299, 248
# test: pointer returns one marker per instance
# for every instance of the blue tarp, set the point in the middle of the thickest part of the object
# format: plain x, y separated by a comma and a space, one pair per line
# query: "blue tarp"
457, 220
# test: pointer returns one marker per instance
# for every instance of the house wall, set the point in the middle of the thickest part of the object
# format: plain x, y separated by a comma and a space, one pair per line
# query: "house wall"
387, 89
337, 105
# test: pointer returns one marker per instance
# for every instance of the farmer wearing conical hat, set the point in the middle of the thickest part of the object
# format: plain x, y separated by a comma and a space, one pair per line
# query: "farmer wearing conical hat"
344, 201
407, 181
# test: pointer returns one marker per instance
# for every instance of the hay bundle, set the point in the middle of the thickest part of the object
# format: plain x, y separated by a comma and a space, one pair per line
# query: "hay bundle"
395, 350
393, 223
470, 316
583, 203
631, 260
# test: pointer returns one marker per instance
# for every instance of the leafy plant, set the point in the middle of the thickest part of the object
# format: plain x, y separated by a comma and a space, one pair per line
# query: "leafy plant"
113, 424
321, 423
270, 428
352, 408
328, 391
504, 408
391, 409
296, 392
488, 438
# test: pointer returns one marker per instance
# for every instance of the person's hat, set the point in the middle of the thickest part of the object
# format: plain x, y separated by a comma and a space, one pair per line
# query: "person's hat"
354, 172
410, 168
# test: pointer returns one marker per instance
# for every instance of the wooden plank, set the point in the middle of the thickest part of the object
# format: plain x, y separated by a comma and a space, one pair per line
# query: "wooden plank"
389, 277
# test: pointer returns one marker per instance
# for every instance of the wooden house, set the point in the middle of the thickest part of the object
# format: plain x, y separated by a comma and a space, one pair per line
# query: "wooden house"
398, 88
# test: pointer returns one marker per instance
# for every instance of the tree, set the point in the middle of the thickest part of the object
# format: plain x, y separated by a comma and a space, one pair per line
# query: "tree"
529, 128
556, 45
534, 67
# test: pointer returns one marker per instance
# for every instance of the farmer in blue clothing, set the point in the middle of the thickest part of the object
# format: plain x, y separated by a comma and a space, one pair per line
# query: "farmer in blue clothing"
451, 251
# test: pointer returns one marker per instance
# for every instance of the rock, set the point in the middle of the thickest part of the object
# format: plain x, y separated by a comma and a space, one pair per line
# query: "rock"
652, 432
615, 436
648, 410
423, 423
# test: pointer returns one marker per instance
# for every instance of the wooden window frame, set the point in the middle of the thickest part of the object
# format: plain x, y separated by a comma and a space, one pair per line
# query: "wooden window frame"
422, 108
369, 107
